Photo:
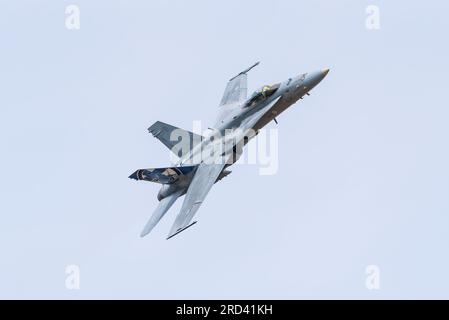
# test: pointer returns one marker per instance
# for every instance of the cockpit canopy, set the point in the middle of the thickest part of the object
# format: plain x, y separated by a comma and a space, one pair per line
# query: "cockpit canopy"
262, 94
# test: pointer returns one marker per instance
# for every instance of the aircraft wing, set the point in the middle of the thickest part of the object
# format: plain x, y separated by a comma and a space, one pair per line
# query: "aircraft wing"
202, 182
161, 210
252, 120
236, 89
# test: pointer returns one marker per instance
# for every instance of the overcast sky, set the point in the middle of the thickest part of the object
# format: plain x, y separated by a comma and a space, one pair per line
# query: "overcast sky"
363, 174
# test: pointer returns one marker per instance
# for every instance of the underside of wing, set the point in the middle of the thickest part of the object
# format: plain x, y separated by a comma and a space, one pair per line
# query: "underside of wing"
205, 177
161, 210
236, 89
251, 121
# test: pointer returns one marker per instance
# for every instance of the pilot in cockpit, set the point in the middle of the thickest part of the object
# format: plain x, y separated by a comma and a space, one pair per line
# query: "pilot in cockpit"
261, 95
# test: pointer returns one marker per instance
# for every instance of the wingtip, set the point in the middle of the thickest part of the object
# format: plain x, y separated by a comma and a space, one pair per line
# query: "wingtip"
245, 71
144, 233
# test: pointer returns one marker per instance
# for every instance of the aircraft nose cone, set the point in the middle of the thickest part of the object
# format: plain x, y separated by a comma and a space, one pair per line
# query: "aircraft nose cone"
315, 77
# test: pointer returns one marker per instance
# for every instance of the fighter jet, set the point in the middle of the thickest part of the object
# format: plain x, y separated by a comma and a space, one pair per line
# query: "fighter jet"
200, 165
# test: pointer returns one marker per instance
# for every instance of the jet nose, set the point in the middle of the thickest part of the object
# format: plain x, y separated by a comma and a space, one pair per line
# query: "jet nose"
314, 78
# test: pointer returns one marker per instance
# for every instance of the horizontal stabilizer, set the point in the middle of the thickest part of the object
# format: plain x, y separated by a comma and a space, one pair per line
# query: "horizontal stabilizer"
162, 175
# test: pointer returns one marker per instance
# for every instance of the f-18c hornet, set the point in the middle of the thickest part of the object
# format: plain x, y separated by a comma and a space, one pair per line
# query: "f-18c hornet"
197, 169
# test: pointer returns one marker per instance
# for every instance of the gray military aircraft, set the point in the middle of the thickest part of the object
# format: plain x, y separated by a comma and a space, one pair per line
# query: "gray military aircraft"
200, 165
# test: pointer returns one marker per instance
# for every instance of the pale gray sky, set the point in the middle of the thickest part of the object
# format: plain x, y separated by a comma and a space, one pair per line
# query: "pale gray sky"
363, 175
